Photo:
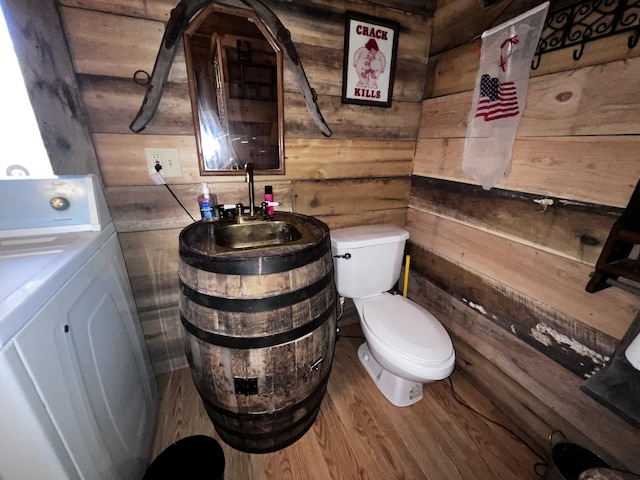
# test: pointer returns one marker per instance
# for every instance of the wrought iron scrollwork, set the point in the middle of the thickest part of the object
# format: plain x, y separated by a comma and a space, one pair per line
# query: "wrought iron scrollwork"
586, 21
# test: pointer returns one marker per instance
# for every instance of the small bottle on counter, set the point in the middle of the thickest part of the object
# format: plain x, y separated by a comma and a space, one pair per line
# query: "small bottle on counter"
268, 197
207, 202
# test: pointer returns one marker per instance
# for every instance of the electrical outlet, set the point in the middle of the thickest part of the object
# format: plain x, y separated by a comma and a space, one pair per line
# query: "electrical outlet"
168, 158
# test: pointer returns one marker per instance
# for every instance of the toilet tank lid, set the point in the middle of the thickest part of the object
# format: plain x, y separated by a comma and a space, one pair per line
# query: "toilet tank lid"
366, 235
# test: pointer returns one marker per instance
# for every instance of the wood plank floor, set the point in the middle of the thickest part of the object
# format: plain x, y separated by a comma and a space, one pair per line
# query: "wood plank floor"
360, 435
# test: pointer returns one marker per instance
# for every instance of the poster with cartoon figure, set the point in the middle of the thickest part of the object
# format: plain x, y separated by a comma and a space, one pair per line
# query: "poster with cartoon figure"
369, 60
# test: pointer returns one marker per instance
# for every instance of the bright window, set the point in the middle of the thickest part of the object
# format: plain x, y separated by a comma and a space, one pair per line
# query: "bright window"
22, 152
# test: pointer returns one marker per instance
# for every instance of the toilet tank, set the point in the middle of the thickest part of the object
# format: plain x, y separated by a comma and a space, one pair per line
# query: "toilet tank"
375, 258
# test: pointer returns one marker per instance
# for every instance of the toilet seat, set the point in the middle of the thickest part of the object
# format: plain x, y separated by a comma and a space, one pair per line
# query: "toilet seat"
407, 328
405, 338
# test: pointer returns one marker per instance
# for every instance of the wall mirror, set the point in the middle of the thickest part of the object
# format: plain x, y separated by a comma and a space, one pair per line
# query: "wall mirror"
234, 68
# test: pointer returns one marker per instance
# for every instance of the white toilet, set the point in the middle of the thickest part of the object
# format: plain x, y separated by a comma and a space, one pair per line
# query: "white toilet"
406, 346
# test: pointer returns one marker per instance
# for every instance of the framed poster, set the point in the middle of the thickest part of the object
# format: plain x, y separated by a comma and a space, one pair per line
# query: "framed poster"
369, 63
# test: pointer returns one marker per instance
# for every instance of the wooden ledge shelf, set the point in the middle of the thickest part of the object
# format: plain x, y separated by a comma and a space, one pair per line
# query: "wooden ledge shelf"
625, 268
623, 286
629, 236
619, 256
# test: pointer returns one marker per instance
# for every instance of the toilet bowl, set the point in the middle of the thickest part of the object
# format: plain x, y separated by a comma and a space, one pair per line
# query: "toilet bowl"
406, 347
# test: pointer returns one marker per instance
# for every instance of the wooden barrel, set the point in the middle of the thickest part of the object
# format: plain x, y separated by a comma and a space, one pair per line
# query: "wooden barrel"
260, 329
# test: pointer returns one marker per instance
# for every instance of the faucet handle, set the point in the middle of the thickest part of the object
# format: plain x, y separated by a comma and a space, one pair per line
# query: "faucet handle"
265, 205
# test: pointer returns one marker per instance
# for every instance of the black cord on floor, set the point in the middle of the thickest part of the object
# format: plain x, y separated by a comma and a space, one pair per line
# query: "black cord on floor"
511, 432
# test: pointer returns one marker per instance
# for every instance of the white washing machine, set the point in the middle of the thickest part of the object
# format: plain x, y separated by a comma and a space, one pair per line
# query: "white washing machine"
79, 398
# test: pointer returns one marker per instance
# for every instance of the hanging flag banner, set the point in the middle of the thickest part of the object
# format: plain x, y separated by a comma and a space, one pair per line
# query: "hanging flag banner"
500, 95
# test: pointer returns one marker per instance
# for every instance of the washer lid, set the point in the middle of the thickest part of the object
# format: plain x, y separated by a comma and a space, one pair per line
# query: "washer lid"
408, 329
38, 268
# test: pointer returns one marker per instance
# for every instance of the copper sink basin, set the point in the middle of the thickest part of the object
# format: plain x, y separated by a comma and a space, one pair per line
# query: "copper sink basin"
256, 234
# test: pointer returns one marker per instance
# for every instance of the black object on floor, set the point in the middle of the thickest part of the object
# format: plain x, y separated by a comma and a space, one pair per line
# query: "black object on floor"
617, 384
192, 458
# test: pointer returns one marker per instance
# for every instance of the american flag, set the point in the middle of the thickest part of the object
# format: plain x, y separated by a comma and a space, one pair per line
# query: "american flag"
497, 99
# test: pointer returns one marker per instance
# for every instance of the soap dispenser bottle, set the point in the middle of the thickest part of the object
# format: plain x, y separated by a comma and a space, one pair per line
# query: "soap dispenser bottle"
206, 204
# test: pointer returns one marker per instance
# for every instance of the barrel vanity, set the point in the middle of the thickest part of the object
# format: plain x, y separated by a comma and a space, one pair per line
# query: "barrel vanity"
258, 308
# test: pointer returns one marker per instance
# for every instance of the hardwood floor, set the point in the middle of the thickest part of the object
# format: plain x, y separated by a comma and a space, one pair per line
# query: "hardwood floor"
360, 435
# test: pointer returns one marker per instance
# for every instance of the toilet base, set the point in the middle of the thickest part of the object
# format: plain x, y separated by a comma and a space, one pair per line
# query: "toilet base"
399, 391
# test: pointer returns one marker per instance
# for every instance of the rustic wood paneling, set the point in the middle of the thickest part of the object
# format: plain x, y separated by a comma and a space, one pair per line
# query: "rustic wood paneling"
589, 101
456, 22
317, 22
46, 64
111, 45
424, 8
93, 31
315, 159
341, 203
123, 160
163, 334
311, 22
154, 10
140, 208
113, 103
399, 122
527, 385
124, 163
579, 348
553, 280
599, 169
321, 22
344, 196
343, 220
152, 263
560, 226
455, 70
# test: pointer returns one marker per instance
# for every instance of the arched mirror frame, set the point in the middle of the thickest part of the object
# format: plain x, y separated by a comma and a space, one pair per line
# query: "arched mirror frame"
194, 26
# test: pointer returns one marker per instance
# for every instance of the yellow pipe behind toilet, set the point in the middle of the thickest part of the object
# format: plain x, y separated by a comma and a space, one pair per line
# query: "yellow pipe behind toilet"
405, 286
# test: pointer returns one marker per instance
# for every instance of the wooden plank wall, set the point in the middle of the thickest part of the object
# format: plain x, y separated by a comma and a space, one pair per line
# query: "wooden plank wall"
41, 48
507, 268
359, 175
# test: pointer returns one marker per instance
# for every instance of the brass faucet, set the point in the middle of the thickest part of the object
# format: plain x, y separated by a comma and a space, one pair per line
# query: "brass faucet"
248, 174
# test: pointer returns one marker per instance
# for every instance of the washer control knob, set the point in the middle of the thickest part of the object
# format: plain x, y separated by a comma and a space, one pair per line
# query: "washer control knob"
59, 203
